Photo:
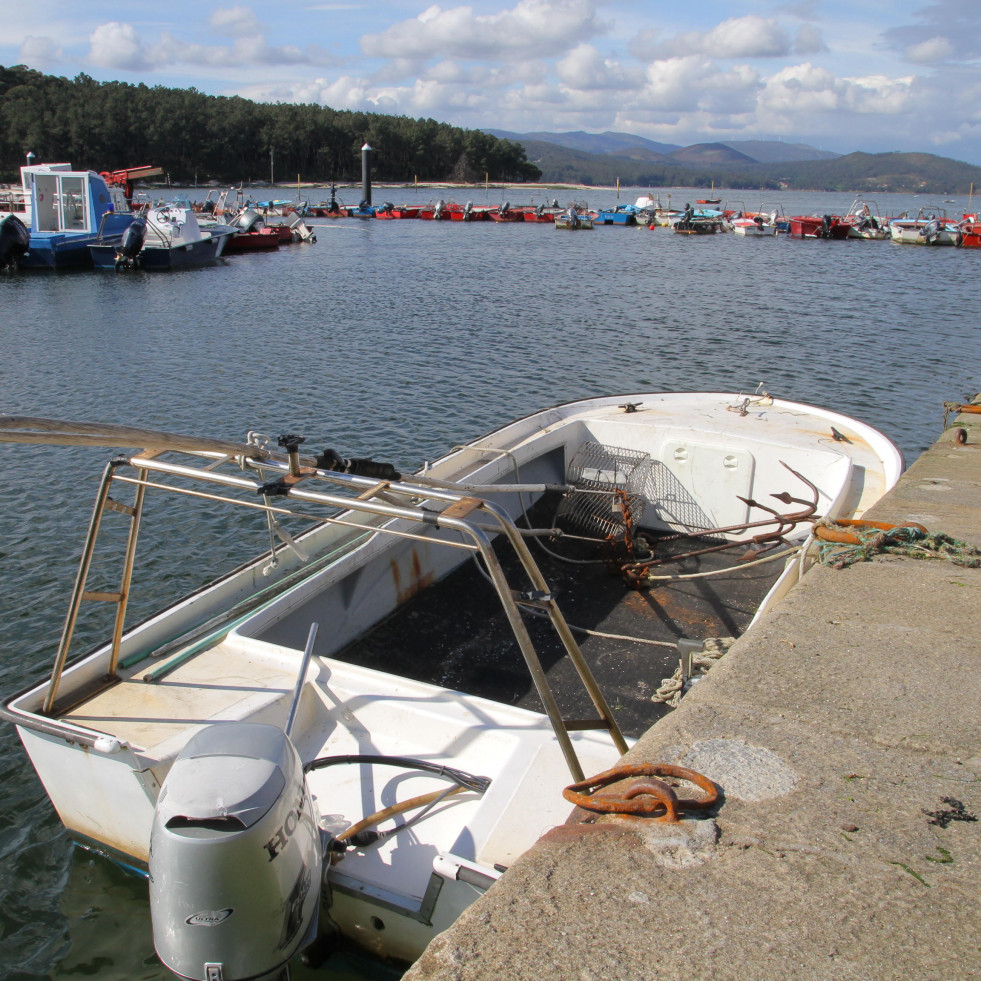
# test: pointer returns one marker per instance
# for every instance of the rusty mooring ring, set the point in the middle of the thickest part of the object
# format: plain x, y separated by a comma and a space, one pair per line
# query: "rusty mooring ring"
643, 796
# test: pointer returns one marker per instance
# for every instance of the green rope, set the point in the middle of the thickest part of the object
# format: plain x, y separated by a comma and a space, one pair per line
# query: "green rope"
911, 542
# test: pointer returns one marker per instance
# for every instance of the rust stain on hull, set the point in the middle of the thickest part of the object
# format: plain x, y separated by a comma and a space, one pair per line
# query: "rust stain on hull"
416, 581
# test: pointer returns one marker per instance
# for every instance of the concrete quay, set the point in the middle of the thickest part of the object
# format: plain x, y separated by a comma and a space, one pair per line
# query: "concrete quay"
844, 731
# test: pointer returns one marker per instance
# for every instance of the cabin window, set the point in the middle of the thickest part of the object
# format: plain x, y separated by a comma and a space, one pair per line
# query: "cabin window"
73, 203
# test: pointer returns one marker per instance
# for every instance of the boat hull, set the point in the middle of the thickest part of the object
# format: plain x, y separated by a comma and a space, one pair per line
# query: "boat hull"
160, 258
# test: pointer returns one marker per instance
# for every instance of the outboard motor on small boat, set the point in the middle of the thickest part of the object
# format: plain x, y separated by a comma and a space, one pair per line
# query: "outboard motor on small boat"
246, 220
931, 230
131, 244
236, 857
15, 240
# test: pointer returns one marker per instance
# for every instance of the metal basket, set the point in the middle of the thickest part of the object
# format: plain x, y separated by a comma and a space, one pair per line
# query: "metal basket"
597, 470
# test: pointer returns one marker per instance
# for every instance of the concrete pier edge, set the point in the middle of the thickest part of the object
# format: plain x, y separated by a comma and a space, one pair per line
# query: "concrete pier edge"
844, 731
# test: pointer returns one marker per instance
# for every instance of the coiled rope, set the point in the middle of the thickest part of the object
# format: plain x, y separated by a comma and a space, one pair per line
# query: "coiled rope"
909, 540
672, 688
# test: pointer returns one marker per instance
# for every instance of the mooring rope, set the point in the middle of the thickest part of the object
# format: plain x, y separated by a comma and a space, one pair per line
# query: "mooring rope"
912, 542
672, 688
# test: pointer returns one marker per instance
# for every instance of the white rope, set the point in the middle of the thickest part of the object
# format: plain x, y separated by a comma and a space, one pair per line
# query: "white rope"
726, 570
672, 688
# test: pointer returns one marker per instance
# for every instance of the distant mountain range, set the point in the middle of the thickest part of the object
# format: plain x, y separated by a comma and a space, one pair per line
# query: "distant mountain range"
637, 147
608, 158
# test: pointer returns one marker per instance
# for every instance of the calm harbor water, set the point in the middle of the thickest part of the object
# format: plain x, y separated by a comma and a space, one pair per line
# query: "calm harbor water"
398, 340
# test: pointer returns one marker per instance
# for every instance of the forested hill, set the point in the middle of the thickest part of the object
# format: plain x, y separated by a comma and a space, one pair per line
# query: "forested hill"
195, 137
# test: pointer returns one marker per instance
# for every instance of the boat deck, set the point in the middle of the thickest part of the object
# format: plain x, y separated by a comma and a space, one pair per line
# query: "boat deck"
222, 682
454, 634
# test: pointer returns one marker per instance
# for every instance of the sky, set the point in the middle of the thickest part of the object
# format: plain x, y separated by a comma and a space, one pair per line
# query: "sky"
839, 75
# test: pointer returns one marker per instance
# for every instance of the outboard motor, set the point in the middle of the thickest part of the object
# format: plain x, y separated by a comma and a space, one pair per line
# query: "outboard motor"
15, 240
246, 220
931, 230
235, 857
131, 244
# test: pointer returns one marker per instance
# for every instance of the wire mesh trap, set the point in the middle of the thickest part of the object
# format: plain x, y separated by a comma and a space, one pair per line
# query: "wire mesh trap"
598, 471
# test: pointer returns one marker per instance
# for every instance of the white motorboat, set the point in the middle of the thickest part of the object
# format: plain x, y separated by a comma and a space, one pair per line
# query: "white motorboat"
240, 747
930, 226
165, 237
754, 226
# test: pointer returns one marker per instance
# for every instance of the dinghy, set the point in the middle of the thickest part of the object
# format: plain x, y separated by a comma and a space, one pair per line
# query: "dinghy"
290, 760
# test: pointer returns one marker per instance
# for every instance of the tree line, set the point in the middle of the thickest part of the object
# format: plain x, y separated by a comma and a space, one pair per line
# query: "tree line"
195, 137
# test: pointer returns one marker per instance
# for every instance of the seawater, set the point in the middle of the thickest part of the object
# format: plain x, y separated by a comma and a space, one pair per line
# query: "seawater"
398, 340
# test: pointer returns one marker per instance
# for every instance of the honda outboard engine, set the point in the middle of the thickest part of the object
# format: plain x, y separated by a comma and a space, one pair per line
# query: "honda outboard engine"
235, 856
15, 240
131, 243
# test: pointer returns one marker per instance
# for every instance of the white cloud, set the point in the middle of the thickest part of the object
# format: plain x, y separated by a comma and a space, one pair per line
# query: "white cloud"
878, 94
930, 52
801, 89
585, 68
737, 37
235, 22
675, 84
118, 45
809, 41
747, 37
532, 28
40, 52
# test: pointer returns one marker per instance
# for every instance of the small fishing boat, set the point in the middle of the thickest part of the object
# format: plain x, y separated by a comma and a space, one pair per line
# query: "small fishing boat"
575, 218
753, 226
697, 221
864, 221
389, 211
541, 213
468, 212
930, 226
287, 755
505, 212
970, 229
438, 211
622, 214
819, 226
163, 238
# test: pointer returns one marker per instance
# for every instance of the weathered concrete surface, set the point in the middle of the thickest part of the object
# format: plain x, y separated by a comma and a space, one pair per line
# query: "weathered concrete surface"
833, 725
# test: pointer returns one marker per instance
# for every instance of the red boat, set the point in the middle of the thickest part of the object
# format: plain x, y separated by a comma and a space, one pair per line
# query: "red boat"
391, 211
506, 213
708, 200
970, 229
258, 238
435, 212
541, 213
819, 226
467, 213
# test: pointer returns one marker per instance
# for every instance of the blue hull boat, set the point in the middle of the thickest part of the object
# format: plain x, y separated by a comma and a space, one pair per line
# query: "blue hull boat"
66, 211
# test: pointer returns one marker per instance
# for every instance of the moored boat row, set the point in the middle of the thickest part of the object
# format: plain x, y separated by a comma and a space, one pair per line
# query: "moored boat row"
61, 218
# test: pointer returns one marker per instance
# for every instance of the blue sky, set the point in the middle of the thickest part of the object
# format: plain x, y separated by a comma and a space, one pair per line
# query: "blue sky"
872, 75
